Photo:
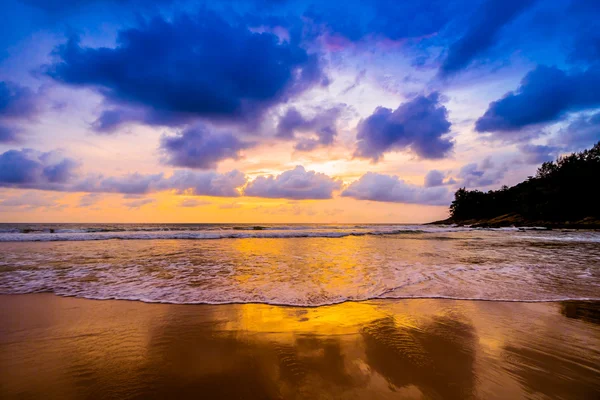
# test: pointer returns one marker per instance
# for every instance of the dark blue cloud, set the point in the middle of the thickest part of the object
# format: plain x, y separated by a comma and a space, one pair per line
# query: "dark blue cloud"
197, 147
418, 125
546, 94
538, 154
323, 125
190, 67
490, 19
28, 168
390, 188
297, 184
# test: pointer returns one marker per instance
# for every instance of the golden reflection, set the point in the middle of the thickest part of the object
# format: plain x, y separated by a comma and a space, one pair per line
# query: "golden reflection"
68, 348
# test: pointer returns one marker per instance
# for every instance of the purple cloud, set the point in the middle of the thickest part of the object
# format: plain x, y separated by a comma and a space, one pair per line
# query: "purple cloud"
538, 154
28, 168
323, 125
435, 178
583, 132
17, 103
418, 125
205, 183
297, 184
390, 188
483, 174
197, 147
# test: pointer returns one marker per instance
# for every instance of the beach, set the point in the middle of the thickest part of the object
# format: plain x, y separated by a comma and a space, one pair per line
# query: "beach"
65, 348
219, 311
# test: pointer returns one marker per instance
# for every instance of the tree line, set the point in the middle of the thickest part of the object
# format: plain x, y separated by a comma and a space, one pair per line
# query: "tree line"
567, 189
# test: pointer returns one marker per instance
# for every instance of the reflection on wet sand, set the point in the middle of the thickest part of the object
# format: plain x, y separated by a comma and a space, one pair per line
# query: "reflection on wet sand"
437, 357
585, 310
53, 347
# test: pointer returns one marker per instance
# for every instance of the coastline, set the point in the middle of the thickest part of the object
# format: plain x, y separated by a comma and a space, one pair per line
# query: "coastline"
515, 220
65, 347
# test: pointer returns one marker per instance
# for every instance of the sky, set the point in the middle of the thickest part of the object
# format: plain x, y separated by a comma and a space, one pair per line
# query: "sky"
285, 111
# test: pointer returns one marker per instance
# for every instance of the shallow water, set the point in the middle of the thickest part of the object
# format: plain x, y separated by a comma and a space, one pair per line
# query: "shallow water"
304, 265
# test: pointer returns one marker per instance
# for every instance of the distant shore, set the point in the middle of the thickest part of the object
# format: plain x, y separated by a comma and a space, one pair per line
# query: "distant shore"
510, 220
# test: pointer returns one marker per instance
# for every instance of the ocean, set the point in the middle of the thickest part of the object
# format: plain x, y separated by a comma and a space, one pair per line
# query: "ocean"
298, 264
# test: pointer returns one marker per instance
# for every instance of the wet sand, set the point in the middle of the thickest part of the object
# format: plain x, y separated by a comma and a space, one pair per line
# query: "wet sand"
67, 348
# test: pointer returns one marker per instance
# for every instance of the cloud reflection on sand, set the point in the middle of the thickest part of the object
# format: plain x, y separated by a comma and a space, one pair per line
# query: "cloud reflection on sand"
377, 349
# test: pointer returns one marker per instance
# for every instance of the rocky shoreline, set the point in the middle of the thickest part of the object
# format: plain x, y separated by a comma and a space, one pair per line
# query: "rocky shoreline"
515, 220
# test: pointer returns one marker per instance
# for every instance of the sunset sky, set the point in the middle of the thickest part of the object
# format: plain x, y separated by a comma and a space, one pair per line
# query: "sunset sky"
282, 110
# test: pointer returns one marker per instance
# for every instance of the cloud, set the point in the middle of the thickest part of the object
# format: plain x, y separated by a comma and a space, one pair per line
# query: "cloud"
438, 178
127, 184
8, 133
582, 133
110, 120
208, 183
390, 188
485, 174
89, 199
190, 67
546, 94
135, 204
323, 125
585, 46
230, 206
29, 168
193, 203
16, 104
197, 147
538, 154
31, 200
388, 19
17, 101
205, 183
418, 125
65, 6
492, 16
297, 184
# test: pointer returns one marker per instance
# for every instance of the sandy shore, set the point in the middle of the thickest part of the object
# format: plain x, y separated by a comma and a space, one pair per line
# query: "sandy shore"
68, 348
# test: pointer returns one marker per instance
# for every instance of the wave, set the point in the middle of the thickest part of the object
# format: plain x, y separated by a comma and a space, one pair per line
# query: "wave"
86, 232
310, 304
429, 234
204, 234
